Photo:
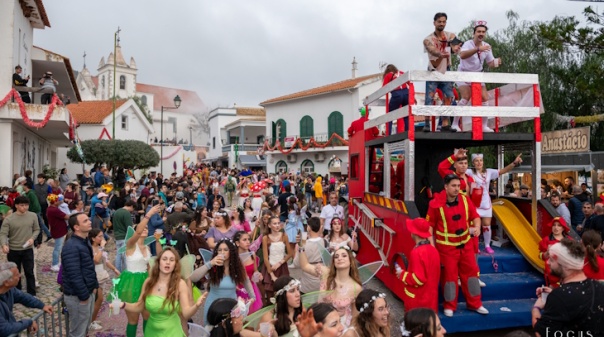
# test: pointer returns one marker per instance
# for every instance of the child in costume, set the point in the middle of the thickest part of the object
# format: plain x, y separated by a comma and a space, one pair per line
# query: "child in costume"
558, 229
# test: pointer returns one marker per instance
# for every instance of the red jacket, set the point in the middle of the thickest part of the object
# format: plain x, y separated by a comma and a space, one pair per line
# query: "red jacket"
421, 278
391, 76
591, 273
447, 230
550, 280
359, 125
444, 169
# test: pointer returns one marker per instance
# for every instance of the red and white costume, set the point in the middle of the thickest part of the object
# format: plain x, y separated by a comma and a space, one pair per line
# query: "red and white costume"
548, 240
451, 227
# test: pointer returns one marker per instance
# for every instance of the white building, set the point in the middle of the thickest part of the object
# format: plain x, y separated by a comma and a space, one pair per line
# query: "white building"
27, 145
317, 113
180, 126
236, 134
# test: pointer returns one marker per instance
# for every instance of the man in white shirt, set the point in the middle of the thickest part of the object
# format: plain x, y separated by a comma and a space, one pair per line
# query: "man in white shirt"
473, 55
328, 212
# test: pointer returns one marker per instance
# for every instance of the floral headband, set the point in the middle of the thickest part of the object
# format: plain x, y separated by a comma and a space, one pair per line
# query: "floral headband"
225, 240
373, 298
241, 309
221, 213
291, 285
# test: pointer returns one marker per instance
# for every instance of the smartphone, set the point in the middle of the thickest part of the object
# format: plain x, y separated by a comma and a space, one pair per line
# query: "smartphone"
155, 202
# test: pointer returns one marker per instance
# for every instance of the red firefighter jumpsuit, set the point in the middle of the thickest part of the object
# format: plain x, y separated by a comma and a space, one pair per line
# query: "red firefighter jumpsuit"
548, 240
359, 125
450, 224
421, 278
444, 168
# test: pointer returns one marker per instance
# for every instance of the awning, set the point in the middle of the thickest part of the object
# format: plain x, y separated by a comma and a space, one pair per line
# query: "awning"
554, 168
253, 161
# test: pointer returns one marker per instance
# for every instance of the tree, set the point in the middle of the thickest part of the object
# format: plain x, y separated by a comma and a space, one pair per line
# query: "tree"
124, 154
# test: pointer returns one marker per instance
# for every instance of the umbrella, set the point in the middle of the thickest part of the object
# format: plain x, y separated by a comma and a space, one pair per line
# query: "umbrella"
257, 187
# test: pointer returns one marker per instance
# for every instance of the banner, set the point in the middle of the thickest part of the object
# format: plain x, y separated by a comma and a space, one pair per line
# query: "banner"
564, 141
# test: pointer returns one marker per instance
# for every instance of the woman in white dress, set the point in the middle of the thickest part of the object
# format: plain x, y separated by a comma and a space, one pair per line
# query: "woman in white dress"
482, 179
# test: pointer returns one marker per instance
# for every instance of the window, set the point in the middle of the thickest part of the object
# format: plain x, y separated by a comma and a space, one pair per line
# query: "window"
124, 122
307, 167
306, 127
335, 124
103, 81
354, 166
281, 130
144, 100
233, 140
281, 167
213, 142
122, 82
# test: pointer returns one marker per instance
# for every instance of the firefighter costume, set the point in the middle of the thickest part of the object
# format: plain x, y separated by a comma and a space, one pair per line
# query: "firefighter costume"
423, 274
444, 168
451, 223
548, 240
359, 125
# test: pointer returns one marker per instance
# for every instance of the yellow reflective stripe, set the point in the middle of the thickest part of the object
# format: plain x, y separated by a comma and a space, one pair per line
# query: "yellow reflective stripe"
405, 277
408, 293
453, 235
420, 283
447, 243
465, 203
442, 215
451, 160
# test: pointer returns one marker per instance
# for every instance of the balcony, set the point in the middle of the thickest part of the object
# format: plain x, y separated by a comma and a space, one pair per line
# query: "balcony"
57, 128
241, 147
305, 143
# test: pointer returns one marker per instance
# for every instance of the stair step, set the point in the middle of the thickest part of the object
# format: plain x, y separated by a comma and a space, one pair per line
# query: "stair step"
508, 260
465, 320
508, 286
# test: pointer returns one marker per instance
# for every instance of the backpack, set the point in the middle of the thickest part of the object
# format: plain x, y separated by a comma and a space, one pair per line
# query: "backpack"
230, 186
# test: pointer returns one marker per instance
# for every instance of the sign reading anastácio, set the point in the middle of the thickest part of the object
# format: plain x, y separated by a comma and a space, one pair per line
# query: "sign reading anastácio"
573, 140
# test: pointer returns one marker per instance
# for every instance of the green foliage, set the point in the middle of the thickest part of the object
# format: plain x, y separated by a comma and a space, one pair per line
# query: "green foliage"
50, 172
126, 154
143, 108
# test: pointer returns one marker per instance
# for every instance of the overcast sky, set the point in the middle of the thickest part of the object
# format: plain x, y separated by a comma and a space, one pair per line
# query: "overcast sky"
245, 52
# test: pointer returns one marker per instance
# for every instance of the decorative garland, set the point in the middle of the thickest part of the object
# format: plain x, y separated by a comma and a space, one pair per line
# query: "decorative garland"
311, 143
55, 101
172, 154
572, 120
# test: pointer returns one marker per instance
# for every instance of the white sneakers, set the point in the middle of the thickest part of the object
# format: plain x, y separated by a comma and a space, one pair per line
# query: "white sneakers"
55, 268
482, 310
456, 128
482, 284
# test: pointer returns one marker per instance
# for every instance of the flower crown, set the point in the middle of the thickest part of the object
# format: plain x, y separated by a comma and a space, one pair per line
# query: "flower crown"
345, 247
373, 298
221, 213
240, 309
291, 285
225, 240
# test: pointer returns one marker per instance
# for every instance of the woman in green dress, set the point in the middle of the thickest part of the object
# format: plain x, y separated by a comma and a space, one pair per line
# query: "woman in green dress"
166, 297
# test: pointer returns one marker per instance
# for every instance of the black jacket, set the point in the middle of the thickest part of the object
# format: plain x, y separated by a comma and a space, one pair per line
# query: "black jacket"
79, 276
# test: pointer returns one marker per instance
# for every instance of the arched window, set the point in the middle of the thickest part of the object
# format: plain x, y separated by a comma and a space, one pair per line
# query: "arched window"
281, 167
306, 127
307, 166
103, 81
335, 124
280, 130
144, 100
122, 82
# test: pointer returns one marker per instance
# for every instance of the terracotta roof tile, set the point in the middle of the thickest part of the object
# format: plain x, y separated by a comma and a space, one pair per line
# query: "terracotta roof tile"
93, 112
43, 14
333, 87
162, 96
250, 111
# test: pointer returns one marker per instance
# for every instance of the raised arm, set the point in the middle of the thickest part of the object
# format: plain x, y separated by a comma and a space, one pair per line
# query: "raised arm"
515, 163
141, 227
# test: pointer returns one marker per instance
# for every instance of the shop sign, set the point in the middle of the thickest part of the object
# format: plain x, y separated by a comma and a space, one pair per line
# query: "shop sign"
289, 141
563, 141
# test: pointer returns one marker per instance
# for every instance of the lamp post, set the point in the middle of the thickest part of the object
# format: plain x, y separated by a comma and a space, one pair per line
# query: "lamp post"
177, 102
116, 41
190, 136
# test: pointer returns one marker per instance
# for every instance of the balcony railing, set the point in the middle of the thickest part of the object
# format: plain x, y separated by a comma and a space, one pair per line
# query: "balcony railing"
320, 138
241, 147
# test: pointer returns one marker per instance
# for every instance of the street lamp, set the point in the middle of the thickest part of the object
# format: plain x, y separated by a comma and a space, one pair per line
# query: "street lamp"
177, 102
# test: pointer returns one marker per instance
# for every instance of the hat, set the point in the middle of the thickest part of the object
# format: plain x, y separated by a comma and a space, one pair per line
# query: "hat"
102, 195
562, 223
480, 23
109, 183
285, 183
524, 187
180, 195
49, 73
363, 111
476, 155
419, 227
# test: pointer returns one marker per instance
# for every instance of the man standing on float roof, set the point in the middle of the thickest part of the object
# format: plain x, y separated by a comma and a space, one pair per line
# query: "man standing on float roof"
454, 220
359, 125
